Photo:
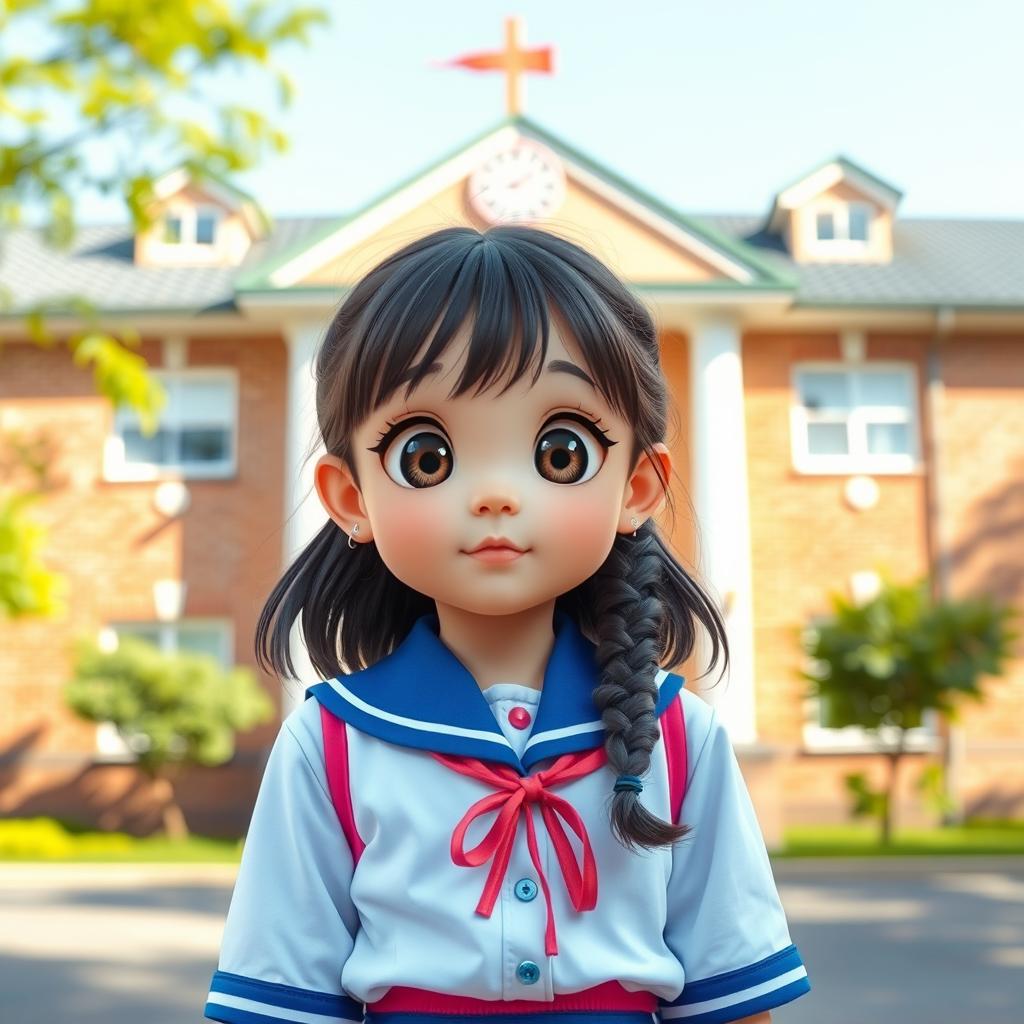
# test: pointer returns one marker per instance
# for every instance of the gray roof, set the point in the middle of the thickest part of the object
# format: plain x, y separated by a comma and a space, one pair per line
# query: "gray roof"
99, 267
978, 263
936, 261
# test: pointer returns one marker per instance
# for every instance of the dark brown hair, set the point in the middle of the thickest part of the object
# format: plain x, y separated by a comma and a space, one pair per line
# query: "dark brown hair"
507, 283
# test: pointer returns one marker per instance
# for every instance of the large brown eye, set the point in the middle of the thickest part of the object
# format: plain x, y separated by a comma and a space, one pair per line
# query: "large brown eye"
565, 455
418, 458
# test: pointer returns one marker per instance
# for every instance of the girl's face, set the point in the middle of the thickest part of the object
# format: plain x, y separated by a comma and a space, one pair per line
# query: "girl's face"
543, 467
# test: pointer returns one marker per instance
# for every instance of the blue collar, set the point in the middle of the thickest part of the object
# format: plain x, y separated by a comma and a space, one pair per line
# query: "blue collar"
421, 695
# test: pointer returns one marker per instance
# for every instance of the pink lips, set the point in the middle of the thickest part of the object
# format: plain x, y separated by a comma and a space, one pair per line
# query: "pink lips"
496, 556
496, 550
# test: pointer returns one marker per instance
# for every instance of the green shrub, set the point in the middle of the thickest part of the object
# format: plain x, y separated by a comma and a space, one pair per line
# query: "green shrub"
46, 839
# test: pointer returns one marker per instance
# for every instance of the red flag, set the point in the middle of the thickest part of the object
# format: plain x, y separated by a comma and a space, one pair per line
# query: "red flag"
538, 59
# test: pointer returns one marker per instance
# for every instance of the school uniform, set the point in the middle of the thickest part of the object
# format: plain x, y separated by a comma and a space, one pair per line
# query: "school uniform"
362, 894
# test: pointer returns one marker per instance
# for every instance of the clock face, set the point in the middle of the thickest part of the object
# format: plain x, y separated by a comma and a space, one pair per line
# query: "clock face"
523, 183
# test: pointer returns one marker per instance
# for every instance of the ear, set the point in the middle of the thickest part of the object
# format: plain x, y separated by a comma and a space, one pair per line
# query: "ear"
341, 497
645, 494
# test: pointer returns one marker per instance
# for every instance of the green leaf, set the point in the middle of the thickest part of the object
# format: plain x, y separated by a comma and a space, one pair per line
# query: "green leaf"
175, 708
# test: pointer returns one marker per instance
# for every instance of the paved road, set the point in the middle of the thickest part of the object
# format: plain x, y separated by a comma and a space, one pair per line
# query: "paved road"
131, 944
888, 943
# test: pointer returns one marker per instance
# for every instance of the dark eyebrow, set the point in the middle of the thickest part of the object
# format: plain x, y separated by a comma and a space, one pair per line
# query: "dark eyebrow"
555, 366
413, 370
561, 366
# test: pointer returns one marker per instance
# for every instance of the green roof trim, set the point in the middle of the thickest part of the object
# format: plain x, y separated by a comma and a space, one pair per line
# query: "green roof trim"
741, 253
199, 173
849, 165
258, 277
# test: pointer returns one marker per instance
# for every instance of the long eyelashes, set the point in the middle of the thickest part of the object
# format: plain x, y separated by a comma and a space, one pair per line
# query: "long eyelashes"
601, 436
585, 418
396, 426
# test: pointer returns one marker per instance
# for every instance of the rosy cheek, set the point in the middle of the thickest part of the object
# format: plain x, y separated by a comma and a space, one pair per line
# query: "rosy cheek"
581, 521
413, 531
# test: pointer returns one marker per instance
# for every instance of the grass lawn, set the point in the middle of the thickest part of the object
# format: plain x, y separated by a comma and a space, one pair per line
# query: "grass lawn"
46, 839
981, 837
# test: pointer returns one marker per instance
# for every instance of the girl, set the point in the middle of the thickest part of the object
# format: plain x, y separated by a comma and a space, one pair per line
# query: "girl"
493, 411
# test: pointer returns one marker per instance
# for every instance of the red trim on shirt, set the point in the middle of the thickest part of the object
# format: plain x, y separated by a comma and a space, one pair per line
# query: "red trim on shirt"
609, 995
673, 732
336, 763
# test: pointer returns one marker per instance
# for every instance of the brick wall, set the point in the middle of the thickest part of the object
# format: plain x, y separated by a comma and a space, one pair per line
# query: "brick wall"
110, 543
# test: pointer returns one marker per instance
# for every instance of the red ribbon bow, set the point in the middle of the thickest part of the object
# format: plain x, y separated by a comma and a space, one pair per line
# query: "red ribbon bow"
517, 790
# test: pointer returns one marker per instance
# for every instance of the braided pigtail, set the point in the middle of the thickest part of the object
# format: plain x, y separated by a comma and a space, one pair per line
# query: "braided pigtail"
627, 619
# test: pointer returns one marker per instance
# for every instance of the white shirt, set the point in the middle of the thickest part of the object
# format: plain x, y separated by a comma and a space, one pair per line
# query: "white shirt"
316, 931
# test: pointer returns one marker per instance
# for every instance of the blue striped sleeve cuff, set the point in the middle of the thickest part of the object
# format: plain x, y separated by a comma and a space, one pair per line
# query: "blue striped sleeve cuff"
771, 982
235, 999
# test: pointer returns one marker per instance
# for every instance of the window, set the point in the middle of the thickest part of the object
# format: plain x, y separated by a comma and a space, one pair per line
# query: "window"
172, 230
845, 222
854, 420
202, 636
859, 214
206, 226
819, 738
191, 226
197, 432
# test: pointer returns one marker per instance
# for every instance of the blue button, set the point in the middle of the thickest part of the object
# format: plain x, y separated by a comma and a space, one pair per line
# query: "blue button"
526, 889
528, 972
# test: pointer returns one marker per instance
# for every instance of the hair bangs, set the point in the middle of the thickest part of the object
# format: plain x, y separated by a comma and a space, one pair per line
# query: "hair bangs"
500, 295
578, 305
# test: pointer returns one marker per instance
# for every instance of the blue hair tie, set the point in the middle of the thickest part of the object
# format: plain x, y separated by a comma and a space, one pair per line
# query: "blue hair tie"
628, 782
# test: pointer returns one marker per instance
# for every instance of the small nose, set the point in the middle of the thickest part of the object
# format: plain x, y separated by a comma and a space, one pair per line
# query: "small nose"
495, 500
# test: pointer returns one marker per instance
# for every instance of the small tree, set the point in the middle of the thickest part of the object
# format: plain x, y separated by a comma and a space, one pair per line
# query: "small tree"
171, 709
882, 664
104, 96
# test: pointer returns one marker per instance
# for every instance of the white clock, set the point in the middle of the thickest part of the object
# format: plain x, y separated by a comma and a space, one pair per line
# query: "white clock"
525, 182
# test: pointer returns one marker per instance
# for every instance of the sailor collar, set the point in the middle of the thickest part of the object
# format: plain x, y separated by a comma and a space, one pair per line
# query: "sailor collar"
420, 695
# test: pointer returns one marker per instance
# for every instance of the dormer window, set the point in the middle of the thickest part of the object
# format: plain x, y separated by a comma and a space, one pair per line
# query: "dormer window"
206, 227
191, 226
198, 222
838, 212
848, 222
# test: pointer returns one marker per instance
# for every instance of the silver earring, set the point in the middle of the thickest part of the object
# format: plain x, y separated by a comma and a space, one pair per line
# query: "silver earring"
355, 530
634, 522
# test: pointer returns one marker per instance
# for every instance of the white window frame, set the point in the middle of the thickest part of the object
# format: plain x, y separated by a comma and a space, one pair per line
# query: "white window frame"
855, 739
117, 469
839, 209
189, 217
111, 747
858, 459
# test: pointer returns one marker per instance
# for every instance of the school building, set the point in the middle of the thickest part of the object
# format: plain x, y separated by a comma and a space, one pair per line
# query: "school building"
850, 390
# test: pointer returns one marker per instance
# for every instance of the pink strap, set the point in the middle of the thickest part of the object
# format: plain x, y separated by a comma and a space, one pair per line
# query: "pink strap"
336, 762
673, 731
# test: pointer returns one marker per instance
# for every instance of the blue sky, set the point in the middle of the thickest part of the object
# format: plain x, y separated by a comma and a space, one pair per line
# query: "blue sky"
712, 105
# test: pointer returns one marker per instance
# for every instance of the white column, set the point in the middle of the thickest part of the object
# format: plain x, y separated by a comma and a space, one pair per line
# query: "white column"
303, 513
722, 503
